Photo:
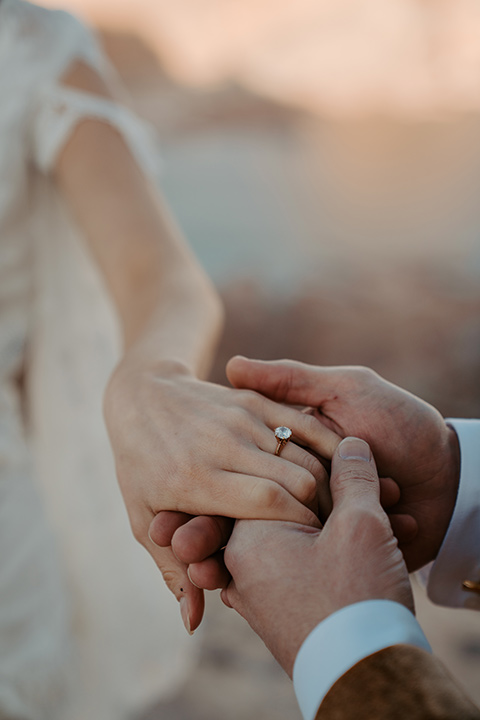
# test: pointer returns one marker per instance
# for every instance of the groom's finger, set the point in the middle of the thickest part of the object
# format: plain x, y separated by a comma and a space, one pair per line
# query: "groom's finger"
201, 537
405, 527
389, 492
354, 478
164, 524
284, 381
211, 574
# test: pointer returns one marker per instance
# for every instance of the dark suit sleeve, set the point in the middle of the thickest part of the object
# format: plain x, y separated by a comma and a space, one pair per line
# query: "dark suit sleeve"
398, 683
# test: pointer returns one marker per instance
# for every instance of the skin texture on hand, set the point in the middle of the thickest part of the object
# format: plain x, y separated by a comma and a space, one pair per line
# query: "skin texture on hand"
409, 438
287, 578
189, 446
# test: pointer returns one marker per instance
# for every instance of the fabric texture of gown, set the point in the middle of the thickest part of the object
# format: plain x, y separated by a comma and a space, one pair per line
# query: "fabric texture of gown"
87, 626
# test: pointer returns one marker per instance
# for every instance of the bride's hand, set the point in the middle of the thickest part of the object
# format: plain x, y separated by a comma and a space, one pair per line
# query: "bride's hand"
185, 445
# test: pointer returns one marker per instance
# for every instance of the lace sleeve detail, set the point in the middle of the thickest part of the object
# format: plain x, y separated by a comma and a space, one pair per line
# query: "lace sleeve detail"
56, 108
61, 108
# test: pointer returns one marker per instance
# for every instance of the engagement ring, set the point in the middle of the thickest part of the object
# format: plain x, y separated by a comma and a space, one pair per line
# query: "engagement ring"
283, 435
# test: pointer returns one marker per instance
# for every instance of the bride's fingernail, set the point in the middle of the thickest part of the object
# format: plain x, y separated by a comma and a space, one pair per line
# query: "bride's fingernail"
185, 614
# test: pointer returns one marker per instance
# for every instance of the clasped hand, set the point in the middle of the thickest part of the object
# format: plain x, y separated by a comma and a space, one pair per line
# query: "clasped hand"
190, 449
287, 578
193, 456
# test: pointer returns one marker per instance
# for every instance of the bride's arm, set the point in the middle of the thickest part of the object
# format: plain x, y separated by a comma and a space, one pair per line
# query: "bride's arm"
179, 443
167, 305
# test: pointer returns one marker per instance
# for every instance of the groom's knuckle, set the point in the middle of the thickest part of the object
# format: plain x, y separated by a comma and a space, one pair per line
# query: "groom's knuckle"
359, 515
355, 475
366, 523
374, 519
361, 375
289, 378
349, 519
353, 483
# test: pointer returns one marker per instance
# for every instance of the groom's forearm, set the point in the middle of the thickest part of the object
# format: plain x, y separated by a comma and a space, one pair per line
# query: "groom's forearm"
399, 681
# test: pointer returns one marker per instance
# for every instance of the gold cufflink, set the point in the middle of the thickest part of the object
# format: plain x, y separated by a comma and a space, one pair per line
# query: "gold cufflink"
471, 585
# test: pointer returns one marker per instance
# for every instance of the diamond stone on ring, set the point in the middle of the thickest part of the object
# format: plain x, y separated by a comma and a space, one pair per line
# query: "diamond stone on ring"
283, 435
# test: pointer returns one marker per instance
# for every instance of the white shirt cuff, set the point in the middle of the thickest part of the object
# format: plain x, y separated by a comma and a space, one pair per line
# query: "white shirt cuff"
459, 556
343, 639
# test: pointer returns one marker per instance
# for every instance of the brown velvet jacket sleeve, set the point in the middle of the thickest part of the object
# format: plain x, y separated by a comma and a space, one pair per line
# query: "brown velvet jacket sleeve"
399, 683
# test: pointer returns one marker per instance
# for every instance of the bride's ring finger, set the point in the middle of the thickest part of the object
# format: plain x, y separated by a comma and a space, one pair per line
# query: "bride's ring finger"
290, 478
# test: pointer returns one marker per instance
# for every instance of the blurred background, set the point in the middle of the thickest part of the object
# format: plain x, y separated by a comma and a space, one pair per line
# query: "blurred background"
323, 159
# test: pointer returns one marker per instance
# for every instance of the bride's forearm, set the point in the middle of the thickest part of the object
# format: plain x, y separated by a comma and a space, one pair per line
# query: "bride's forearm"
168, 308
172, 318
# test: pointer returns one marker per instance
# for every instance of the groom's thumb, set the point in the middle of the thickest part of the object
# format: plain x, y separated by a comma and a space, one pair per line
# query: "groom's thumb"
281, 380
354, 477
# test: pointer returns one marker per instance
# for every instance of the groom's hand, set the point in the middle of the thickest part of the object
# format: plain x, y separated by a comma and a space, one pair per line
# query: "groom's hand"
287, 578
409, 438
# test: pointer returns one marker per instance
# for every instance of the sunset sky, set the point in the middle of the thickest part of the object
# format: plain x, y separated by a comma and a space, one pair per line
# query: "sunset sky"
406, 57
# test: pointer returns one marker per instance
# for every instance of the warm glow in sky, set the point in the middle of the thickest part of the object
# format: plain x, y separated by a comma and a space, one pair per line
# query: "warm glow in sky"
339, 57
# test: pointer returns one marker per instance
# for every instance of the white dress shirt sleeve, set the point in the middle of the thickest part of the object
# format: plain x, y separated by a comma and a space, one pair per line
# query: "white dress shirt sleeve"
343, 639
459, 555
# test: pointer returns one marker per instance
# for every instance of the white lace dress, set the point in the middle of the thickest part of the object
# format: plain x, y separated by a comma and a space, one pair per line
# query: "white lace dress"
87, 627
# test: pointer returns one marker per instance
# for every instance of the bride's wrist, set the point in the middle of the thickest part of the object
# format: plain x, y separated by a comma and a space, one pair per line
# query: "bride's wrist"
131, 378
